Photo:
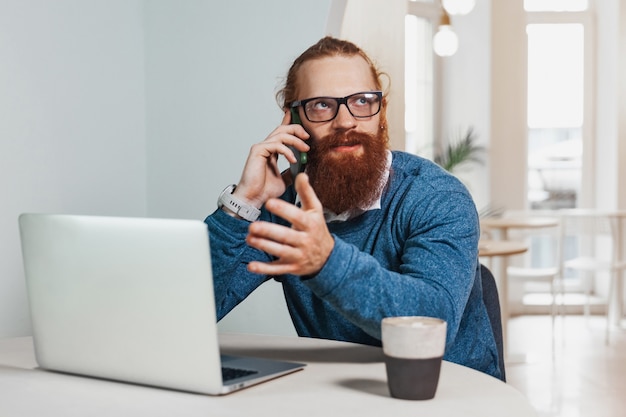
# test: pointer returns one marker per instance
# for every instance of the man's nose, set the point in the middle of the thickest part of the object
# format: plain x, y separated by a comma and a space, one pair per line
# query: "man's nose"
344, 118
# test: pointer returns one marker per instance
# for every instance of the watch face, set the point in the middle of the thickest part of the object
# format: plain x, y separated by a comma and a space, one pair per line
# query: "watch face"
228, 190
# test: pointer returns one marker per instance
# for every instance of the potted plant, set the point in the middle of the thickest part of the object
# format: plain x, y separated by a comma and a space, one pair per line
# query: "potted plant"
458, 153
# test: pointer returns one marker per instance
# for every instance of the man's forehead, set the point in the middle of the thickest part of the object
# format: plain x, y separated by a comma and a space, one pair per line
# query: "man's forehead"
335, 76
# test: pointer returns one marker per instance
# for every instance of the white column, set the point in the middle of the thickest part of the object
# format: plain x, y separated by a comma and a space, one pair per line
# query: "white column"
508, 149
378, 28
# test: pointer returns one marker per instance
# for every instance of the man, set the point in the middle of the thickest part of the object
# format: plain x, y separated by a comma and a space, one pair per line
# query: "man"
364, 233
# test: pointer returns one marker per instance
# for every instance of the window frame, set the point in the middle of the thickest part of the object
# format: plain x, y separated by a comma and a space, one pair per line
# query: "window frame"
587, 193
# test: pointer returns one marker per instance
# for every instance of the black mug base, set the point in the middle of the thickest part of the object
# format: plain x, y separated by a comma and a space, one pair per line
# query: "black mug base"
413, 379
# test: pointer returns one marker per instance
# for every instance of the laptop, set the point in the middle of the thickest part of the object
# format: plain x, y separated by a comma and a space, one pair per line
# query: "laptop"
130, 299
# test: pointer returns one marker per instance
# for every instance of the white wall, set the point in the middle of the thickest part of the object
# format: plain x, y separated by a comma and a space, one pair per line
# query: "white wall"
213, 69
607, 102
72, 136
212, 74
130, 107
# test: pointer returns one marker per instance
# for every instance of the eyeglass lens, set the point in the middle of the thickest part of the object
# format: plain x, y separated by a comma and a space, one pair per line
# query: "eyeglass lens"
323, 109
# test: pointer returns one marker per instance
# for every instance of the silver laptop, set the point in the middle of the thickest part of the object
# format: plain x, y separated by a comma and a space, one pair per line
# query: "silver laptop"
130, 299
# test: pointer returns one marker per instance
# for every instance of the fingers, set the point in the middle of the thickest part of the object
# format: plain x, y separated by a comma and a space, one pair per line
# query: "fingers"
286, 125
294, 214
278, 241
287, 211
279, 141
295, 252
274, 268
301, 249
268, 237
307, 194
284, 137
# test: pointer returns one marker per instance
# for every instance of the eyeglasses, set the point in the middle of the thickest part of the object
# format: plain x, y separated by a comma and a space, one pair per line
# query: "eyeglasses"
325, 109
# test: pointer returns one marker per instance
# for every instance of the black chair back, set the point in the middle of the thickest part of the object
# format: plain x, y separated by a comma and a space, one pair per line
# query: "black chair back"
492, 302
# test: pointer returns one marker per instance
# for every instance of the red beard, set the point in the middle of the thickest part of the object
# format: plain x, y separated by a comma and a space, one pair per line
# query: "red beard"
347, 182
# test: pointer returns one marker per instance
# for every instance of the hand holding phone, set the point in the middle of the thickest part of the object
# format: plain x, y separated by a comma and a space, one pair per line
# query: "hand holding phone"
301, 157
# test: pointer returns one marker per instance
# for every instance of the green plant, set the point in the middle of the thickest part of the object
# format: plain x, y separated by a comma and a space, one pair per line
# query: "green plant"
460, 152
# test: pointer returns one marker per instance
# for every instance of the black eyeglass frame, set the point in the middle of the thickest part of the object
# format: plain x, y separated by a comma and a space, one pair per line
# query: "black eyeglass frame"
340, 101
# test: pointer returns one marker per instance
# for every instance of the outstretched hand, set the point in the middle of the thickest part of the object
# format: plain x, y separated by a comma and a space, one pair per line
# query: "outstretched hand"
301, 249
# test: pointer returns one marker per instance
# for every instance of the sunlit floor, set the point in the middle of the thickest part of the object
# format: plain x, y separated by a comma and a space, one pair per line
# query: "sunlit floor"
585, 377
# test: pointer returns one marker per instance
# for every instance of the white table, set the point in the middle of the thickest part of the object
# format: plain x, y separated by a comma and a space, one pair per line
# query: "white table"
341, 379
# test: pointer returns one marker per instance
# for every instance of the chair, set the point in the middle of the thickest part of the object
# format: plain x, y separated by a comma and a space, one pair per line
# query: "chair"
492, 302
542, 263
592, 236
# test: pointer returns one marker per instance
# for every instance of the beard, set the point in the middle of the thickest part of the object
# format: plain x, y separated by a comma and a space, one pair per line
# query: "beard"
348, 182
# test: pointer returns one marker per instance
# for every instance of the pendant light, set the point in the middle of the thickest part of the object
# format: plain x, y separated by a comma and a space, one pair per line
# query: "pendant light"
458, 7
445, 41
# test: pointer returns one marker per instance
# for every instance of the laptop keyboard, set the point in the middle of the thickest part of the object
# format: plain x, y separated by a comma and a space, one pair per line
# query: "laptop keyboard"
233, 373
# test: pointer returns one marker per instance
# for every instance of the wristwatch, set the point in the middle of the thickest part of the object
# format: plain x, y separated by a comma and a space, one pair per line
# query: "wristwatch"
243, 210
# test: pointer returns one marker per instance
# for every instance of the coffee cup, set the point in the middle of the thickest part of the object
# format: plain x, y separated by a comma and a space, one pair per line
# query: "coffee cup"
413, 348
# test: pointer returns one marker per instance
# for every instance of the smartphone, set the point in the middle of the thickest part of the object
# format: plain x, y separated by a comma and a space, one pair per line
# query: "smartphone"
301, 157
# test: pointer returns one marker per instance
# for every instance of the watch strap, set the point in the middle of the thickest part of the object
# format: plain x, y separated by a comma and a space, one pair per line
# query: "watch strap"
237, 206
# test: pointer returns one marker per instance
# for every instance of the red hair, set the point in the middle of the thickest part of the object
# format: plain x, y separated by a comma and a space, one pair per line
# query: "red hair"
325, 47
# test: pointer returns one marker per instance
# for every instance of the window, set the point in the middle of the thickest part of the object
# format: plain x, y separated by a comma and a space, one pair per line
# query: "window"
555, 114
560, 99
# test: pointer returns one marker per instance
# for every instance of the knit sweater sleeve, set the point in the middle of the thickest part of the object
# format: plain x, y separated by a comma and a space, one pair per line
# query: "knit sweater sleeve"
230, 256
